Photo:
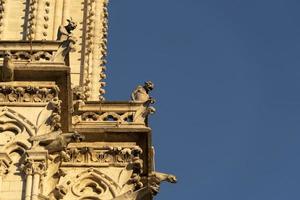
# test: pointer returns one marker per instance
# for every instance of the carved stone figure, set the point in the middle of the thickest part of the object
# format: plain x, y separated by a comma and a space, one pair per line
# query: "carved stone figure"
8, 67
79, 96
56, 141
141, 93
40, 157
68, 40
156, 178
65, 32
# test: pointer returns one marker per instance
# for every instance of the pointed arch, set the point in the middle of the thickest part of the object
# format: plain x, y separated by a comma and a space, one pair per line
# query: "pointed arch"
17, 146
100, 183
20, 120
91, 184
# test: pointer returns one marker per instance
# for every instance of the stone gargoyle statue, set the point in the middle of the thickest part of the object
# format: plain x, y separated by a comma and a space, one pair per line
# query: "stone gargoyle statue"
65, 35
65, 32
8, 67
156, 178
141, 93
56, 141
154, 181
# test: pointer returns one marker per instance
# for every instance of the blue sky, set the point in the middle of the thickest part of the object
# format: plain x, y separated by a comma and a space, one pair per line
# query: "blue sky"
227, 77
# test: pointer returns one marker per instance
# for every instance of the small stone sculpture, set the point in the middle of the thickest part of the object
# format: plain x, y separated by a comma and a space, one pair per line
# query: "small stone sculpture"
65, 32
68, 41
141, 93
8, 67
156, 178
56, 141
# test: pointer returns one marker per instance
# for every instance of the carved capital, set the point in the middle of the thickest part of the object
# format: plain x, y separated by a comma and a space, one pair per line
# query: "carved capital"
39, 168
27, 167
31, 167
35, 162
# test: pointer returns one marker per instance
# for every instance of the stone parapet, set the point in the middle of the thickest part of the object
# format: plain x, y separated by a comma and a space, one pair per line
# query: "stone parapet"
111, 114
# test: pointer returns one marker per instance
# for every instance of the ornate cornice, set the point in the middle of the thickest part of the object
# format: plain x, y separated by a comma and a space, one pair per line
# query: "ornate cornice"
27, 92
104, 156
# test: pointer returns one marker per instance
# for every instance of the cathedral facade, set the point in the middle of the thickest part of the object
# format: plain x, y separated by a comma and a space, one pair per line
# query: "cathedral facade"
59, 137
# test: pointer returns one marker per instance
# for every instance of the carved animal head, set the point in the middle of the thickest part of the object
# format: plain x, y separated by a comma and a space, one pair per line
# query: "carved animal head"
7, 55
60, 192
171, 179
149, 86
79, 93
71, 25
77, 137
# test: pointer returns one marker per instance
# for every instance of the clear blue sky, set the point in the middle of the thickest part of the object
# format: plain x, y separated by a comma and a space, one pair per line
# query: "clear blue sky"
227, 75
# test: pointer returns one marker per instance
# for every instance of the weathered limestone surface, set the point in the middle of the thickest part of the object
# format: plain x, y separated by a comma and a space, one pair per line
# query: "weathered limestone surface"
40, 20
64, 142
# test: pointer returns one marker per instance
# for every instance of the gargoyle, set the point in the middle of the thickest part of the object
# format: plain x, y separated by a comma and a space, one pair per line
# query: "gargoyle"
65, 32
56, 141
8, 67
156, 178
141, 93
79, 96
154, 181
68, 40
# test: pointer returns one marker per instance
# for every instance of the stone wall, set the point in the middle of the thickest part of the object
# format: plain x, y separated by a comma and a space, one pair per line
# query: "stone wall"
41, 19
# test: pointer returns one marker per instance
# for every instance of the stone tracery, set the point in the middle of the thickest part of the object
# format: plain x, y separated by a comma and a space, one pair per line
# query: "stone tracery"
42, 128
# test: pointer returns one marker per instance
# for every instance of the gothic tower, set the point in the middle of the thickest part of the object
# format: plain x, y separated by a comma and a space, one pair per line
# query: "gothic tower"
59, 137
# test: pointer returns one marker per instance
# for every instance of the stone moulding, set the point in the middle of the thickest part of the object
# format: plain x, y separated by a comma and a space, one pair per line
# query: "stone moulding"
27, 92
42, 128
33, 52
104, 156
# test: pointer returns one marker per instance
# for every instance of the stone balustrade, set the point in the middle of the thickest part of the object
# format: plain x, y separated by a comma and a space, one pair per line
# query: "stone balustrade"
111, 114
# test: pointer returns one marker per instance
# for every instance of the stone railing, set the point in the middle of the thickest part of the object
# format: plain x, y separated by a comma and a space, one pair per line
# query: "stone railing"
111, 114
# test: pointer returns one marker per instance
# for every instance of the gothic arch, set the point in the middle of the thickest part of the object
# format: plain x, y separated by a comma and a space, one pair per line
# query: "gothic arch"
17, 146
20, 120
91, 184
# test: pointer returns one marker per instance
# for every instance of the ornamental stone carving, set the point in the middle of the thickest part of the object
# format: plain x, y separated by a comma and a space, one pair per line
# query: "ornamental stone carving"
27, 93
8, 67
56, 141
59, 138
141, 93
67, 40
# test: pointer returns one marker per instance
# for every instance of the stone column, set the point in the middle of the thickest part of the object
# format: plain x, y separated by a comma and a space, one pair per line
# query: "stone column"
95, 85
3, 12
28, 172
39, 20
35, 184
57, 17
28, 187
66, 11
5, 162
35, 167
32, 20
3, 171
